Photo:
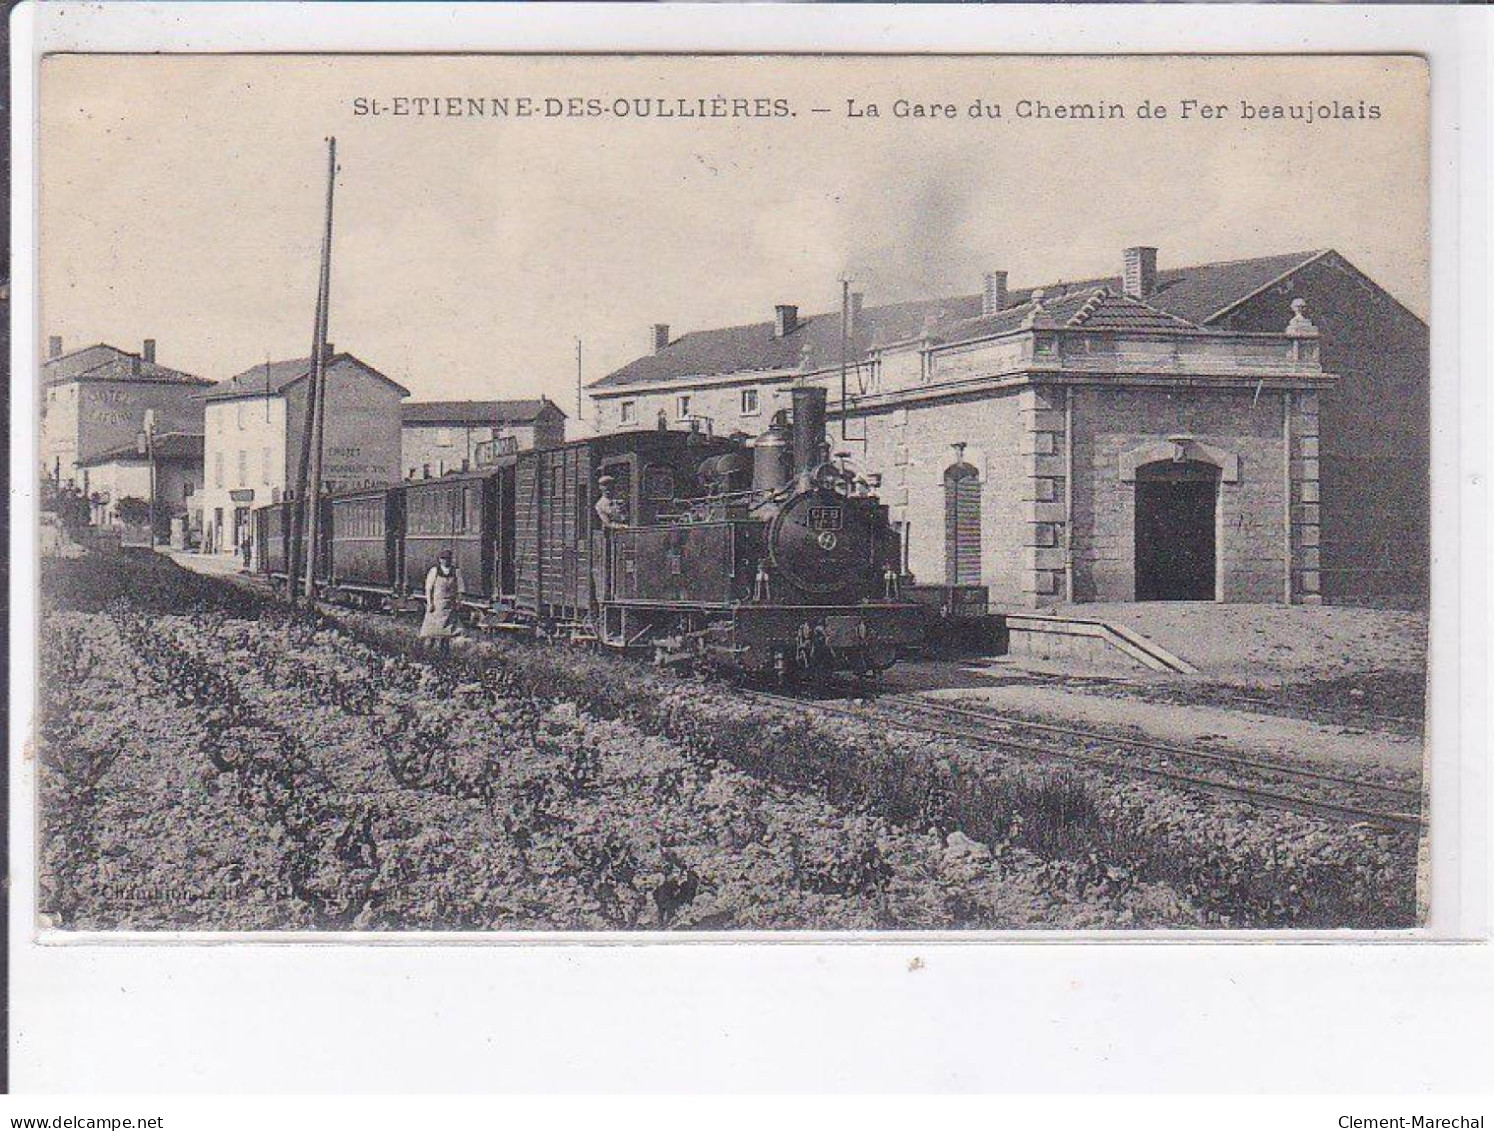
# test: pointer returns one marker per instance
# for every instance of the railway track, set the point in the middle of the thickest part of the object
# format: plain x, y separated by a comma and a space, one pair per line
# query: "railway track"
1212, 772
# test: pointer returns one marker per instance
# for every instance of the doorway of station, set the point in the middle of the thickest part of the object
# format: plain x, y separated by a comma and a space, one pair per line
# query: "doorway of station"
1176, 544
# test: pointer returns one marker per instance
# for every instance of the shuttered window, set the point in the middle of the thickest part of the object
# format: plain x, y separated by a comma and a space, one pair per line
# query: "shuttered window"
962, 525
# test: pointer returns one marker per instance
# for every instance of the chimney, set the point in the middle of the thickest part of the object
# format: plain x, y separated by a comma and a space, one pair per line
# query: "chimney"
661, 336
54, 346
330, 354
808, 436
1140, 277
994, 296
148, 350
785, 320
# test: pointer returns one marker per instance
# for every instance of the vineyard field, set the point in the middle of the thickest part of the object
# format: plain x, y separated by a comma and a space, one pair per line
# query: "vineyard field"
207, 762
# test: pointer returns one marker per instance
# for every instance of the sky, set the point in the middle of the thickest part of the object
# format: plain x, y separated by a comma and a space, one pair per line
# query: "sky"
182, 198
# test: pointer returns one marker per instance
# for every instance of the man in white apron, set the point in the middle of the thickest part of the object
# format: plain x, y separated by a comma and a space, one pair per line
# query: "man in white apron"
443, 598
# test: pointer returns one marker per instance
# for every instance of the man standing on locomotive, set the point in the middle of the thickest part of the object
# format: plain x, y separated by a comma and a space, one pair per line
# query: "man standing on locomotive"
443, 598
610, 509
611, 512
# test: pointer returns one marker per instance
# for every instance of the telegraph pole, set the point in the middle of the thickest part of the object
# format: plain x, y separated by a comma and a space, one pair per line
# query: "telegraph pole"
578, 381
318, 405
845, 349
306, 513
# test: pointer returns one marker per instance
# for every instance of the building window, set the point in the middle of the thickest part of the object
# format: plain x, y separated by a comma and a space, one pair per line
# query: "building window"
443, 438
265, 466
961, 523
243, 468
239, 408
628, 412
749, 402
217, 469
682, 406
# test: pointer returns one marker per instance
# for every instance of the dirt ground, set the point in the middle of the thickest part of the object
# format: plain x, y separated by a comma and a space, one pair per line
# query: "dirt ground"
1326, 685
1257, 644
1362, 667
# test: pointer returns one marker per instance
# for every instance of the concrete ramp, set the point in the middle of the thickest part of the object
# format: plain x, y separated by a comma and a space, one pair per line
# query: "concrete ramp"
1050, 637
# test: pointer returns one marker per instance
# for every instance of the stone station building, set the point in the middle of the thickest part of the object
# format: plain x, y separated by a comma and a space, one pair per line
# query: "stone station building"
1253, 431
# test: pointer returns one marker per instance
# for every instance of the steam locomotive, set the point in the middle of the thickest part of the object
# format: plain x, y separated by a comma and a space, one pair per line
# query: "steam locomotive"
760, 556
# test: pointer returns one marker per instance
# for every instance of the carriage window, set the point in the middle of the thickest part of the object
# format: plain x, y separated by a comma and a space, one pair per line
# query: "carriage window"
658, 484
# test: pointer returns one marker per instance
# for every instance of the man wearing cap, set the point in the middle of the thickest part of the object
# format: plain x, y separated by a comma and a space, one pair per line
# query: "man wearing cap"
610, 509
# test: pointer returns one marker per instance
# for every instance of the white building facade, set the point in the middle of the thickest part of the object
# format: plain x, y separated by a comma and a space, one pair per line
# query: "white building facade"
252, 439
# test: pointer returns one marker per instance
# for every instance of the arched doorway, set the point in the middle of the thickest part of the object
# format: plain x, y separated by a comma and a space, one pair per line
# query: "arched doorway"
961, 523
1177, 503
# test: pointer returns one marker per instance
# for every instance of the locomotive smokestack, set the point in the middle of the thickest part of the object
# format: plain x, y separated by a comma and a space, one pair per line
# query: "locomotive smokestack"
809, 428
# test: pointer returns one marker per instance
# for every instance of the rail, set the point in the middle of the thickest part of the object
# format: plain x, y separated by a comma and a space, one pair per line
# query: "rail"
1148, 759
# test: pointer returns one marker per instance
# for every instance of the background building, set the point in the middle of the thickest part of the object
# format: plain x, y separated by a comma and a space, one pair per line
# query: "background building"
126, 472
441, 436
253, 429
1182, 434
94, 401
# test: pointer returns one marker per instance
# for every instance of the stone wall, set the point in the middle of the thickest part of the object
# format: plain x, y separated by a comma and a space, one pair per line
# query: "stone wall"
912, 447
361, 443
85, 419
1374, 431
1250, 527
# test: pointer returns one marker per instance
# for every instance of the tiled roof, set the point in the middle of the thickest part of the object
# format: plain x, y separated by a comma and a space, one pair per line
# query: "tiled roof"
276, 376
186, 446
1094, 308
814, 343
1191, 295
110, 363
477, 412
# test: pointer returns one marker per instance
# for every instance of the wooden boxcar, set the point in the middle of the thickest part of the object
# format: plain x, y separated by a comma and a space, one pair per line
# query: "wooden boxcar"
558, 548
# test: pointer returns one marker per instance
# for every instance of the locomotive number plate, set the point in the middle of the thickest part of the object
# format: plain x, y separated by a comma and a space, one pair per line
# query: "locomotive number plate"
824, 518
